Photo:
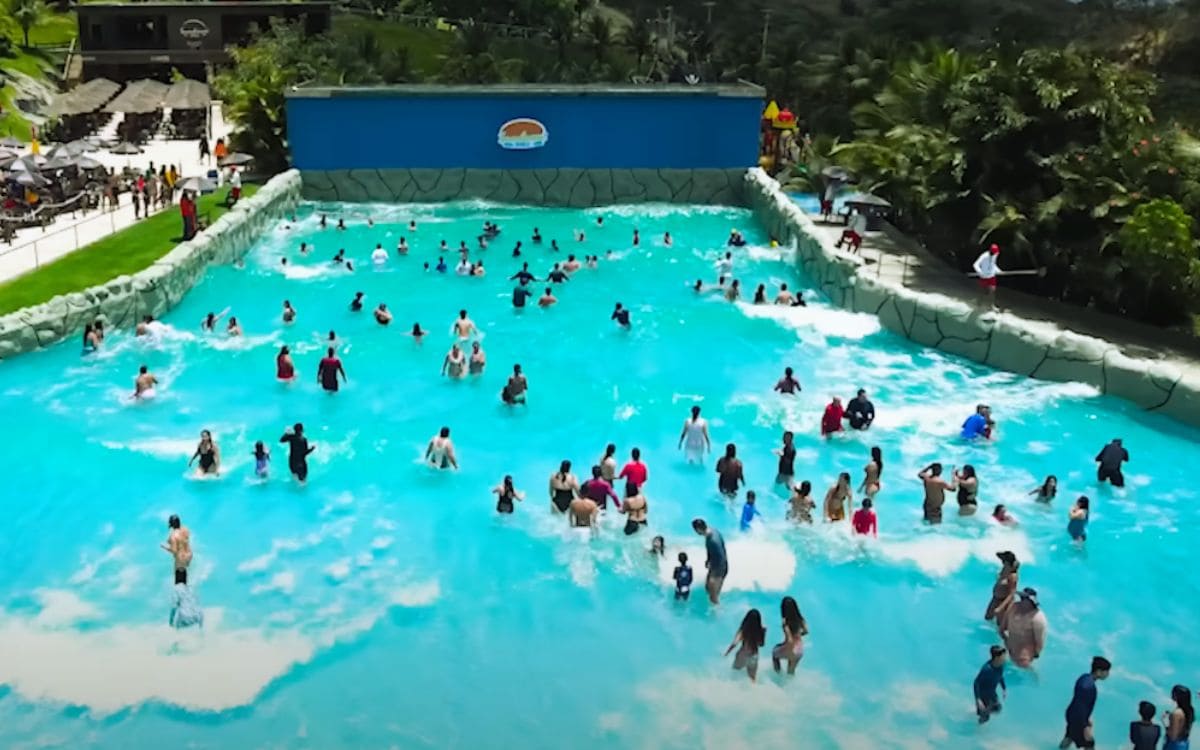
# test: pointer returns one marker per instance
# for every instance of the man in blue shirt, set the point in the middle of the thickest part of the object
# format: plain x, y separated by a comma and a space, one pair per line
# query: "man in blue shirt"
1079, 712
520, 294
978, 425
991, 676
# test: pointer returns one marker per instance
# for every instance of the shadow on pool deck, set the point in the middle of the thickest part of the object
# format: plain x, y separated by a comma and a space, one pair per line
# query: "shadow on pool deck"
890, 255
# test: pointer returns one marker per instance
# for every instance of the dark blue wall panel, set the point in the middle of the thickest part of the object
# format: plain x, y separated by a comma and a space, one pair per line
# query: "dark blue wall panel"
645, 130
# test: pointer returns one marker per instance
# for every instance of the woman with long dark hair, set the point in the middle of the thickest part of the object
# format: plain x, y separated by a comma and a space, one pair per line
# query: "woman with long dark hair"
794, 630
1179, 720
871, 474
751, 636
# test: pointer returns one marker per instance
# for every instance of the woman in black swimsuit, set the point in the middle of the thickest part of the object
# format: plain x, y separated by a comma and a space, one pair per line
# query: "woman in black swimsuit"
208, 453
563, 486
505, 494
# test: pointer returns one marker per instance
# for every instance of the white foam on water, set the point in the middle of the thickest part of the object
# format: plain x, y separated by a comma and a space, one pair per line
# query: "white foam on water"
939, 554
90, 566
826, 321
339, 570
243, 343
381, 542
421, 594
59, 608
624, 413
166, 448
755, 564
284, 582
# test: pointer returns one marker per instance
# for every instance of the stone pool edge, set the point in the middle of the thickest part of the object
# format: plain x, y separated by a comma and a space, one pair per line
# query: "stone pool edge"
122, 301
1000, 340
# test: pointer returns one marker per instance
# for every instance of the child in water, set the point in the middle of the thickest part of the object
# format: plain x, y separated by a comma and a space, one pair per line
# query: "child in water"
262, 458
683, 577
749, 511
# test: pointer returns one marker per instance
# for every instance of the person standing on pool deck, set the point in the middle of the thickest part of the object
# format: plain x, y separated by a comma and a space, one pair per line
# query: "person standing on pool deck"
1078, 519
635, 472
935, 492
860, 411
621, 315
1025, 628
1079, 712
991, 676
717, 561
787, 461
298, 450
694, 438
563, 488
987, 267
729, 472
788, 383
440, 452
328, 371
464, 327
1178, 721
751, 636
831, 420
179, 544
1110, 459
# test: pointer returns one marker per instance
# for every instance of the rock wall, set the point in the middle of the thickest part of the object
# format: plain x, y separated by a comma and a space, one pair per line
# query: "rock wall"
123, 301
576, 188
999, 340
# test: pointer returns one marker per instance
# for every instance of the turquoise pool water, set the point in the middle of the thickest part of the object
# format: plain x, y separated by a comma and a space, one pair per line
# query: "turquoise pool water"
385, 605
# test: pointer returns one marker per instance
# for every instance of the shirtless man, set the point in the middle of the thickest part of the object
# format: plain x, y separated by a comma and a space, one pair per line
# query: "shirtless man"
547, 299
143, 384
935, 494
514, 390
143, 326
454, 365
582, 512
572, 265
382, 315
784, 297
788, 383
464, 327
440, 453
1025, 629
734, 291
179, 544
478, 359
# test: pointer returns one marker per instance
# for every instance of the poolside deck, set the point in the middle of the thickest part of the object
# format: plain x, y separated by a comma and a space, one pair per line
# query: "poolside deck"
891, 255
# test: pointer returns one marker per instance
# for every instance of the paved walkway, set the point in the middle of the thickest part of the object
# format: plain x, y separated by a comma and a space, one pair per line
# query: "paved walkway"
893, 256
35, 246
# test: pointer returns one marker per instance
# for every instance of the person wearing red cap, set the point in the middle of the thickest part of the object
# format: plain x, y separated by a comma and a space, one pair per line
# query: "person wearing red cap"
987, 268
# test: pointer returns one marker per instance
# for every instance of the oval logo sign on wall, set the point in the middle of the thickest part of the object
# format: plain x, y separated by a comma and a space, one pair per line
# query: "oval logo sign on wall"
522, 133
193, 31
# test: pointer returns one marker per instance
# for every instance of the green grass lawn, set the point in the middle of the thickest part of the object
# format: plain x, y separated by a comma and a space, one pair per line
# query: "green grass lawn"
125, 252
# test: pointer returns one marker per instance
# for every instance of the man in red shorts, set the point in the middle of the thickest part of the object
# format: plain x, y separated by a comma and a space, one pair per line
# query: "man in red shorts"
987, 267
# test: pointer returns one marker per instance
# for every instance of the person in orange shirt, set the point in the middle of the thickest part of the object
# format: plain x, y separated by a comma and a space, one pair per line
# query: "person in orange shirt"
220, 150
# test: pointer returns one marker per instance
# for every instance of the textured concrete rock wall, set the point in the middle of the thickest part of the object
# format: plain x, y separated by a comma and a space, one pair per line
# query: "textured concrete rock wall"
123, 301
999, 340
576, 188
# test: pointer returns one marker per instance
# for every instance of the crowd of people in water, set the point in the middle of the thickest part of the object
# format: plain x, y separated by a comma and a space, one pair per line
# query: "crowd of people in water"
1014, 609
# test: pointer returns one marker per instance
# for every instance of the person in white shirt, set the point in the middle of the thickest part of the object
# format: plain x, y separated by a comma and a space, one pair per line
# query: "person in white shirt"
379, 256
987, 267
725, 265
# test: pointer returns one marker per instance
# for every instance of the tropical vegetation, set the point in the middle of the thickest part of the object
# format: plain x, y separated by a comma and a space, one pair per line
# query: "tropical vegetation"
1047, 126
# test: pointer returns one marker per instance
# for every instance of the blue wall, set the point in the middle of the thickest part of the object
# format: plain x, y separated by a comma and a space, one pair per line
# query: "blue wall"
586, 130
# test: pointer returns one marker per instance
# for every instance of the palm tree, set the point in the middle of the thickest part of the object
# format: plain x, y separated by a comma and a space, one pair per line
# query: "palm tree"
599, 35
27, 14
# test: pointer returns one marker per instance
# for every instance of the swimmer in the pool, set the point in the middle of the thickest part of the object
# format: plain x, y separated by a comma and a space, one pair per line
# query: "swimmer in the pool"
356, 304
637, 240
563, 488
441, 265
547, 299
634, 509
1047, 491
593, 262
339, 257
444, 247
417, 333
179, 546
760, 295
787, 460
784, 297
788, 383
298, 450
579, 236
341, 224
608, 463
599, 490
143, 384
523, 276
323, 222
402, 246
454, 365
537, 236
725, 265
516, 253
839, 499
382, 315
464, 327
464, 267
210, 320
554, 245
572, 264
729, 472
304, 248
143, 326
289, 312
621, 315
667, 239
440, 452
582, 512
208, 453
658, 546
379, 256
262, 460
478, 359
506, 494
871, 474
514, 389
285, 369
557, 275
412, 226
694, 437
328, 370
477, 270
734, 291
